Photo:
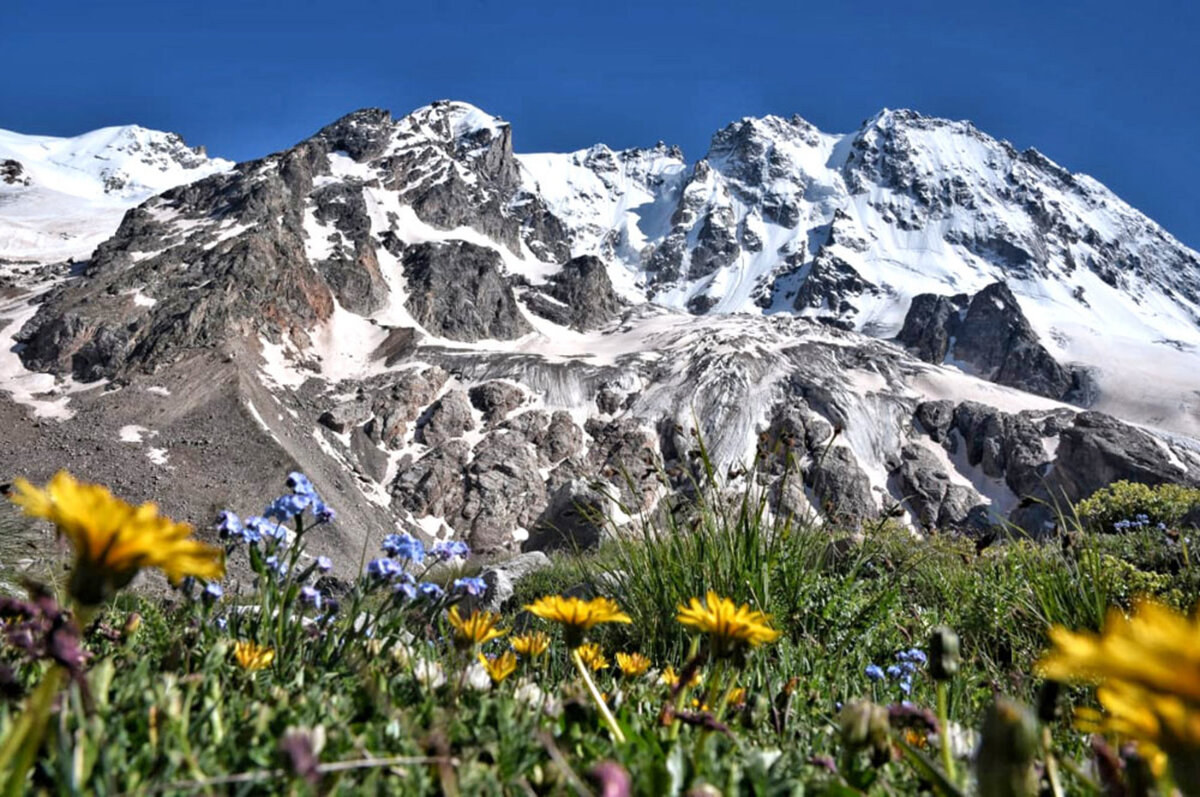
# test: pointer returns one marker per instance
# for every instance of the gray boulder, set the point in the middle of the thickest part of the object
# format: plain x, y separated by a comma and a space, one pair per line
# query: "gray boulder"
501, 579
448, 418
433, 485
503, 490
842, 489
400, 401
575, 519
1098, 449
347, 415
496, 399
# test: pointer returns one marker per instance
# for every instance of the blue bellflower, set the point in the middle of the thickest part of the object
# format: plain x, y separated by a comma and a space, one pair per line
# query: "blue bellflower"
228, 525
212, 592
286, 507
311, 596
450, 549
427, 589
404, 546
384, 568
299, 484
470, 586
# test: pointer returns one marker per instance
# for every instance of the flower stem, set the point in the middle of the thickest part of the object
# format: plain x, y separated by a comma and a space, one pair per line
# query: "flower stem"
716, 684
609, 719
25, 738
1051, 763
943, 704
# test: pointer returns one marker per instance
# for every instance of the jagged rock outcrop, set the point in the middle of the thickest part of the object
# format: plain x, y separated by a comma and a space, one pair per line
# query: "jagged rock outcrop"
400, 400
503, 490
801, 450
930, 325
579, 296
928, 491
449, 418
1097, 449
434, 484
990, 334
831, 289
12, 173
495, 399
457, 290
347, 415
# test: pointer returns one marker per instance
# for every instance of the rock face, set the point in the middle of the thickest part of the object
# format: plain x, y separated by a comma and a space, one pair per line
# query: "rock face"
800, 450
449, 418
496, 399
399, 401
931, 324
457, 291
991, 335
928, 490
580, 296
1096, 450
575, 519
503, 489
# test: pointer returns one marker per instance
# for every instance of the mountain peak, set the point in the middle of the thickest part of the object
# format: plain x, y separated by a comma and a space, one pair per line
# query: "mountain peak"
457, 119
64, 195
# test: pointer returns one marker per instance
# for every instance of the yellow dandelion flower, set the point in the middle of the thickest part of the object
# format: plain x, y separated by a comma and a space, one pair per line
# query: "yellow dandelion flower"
476, 629
499, 667
531, 645
113, 540
633, 664
730, 628
1147, 669
253, 657
593, 656
576, 616
915, 738
670, 678
736, 696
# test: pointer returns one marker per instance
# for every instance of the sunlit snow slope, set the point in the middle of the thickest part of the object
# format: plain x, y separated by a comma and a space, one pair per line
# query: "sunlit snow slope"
60, 197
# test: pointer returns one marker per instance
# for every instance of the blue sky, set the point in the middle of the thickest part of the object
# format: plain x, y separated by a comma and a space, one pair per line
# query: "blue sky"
1105, 88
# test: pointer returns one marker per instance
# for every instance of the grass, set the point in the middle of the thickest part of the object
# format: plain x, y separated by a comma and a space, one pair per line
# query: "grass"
348, 705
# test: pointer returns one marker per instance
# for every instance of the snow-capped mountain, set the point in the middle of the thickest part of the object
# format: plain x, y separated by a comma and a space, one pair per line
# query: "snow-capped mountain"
464, 341
847, 229
60, 197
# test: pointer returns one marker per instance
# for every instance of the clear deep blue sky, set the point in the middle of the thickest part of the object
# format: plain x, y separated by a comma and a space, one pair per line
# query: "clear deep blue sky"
1107, 88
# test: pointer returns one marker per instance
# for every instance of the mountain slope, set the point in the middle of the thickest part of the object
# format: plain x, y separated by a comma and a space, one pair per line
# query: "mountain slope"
60, 197
455, 339
848, 229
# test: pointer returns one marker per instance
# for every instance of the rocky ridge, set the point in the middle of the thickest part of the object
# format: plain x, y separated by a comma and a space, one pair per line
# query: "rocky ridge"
449, 340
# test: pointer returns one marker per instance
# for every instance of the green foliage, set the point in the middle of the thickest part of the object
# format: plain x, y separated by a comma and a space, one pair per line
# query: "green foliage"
1125, 501
166, 708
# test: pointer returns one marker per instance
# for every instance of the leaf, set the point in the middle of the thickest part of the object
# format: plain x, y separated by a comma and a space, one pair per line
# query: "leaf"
925, 767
